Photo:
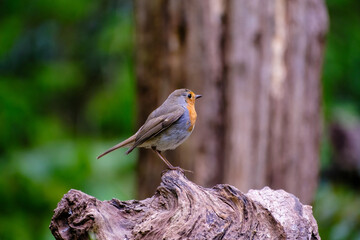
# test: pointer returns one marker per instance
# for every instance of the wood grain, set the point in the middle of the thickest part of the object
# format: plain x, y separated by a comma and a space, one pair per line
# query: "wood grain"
181, 209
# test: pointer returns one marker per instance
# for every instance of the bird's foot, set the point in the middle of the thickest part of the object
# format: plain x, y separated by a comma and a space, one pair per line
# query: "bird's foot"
180, 169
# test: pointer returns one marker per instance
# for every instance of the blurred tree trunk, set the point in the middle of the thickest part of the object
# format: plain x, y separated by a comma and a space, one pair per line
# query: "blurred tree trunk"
257, 64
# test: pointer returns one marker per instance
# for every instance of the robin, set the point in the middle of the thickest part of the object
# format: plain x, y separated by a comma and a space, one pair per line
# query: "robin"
166, 127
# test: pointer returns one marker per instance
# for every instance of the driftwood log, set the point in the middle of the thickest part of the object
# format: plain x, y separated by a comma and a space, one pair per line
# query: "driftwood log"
180, 209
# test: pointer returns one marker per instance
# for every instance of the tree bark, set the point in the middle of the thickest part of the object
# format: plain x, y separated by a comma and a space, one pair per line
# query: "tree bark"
178, 45
181, 209
257, 64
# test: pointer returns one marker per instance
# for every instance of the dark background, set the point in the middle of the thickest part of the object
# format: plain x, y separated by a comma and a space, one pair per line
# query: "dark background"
67, 92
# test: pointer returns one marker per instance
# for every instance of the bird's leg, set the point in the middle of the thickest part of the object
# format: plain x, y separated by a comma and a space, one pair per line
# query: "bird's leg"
170, 166
164, 159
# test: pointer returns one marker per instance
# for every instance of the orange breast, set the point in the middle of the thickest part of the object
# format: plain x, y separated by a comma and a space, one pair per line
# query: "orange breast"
192, 114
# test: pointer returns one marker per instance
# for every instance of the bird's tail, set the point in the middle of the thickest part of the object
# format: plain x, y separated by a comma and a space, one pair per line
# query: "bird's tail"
124, 143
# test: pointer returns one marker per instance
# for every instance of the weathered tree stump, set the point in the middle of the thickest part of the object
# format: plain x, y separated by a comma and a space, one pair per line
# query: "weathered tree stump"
180, 209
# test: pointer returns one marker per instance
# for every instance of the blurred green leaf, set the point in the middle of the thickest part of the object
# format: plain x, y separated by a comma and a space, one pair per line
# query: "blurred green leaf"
336, 211
66, 77
64, 10
10, 29
34, 181
59, 77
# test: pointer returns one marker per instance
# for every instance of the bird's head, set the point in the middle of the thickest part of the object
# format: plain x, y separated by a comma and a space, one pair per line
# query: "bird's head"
184, 96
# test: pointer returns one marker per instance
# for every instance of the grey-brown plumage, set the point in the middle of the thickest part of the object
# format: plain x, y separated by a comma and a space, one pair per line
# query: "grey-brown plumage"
166, 127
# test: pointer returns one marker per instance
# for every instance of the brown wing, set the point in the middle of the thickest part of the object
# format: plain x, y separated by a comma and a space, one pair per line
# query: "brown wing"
154, 126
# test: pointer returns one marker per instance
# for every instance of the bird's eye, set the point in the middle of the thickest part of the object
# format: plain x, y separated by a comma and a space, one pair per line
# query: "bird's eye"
189, 96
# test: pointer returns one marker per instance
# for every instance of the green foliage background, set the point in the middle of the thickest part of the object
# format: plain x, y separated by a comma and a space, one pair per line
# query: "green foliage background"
337, 204
66, 82
67, 92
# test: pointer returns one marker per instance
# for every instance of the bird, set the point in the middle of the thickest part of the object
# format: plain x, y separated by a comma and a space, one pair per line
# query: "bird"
166, 127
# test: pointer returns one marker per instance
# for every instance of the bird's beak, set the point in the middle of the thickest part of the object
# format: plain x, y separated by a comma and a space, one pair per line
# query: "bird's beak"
198, 96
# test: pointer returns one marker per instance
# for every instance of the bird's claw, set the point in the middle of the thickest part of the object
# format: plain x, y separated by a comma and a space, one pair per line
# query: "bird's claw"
180, 169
